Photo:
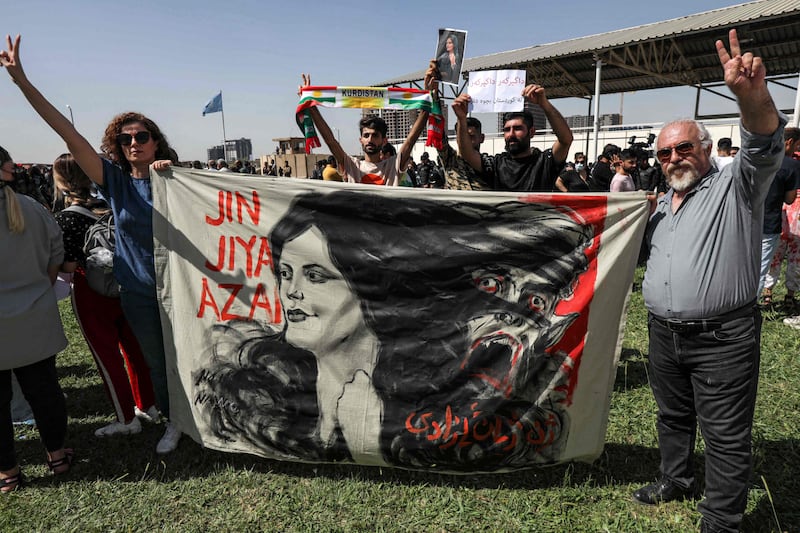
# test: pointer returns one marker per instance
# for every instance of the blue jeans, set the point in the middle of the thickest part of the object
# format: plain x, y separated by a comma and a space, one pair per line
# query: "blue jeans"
769, 242
143, 316
711, 378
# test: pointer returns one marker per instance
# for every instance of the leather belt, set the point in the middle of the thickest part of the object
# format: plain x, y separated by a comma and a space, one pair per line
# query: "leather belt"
700, 325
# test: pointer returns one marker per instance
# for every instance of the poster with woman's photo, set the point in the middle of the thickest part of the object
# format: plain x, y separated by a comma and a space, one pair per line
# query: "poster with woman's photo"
450, 54
333, 322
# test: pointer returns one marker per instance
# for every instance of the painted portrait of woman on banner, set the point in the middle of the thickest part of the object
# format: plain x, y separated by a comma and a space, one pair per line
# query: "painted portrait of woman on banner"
415, 334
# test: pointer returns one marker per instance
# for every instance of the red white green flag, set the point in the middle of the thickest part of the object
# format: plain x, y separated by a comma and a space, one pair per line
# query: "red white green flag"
367, 98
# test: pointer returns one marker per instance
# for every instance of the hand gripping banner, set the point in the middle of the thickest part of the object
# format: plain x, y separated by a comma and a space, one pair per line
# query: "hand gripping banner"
448, 331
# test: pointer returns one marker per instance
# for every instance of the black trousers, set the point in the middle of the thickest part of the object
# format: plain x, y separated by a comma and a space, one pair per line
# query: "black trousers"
39, 384
708, 377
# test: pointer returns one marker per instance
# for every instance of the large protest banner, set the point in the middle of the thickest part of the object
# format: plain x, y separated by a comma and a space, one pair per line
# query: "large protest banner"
427, 329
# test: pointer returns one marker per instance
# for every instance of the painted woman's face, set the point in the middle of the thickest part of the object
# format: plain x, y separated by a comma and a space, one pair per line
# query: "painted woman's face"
321, 311
449, 46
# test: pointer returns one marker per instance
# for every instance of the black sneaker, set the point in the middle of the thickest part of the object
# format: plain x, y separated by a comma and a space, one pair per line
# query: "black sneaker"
707, 527
662, 491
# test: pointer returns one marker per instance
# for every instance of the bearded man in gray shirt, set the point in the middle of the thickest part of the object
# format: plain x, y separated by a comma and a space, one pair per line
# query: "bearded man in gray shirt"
704, 243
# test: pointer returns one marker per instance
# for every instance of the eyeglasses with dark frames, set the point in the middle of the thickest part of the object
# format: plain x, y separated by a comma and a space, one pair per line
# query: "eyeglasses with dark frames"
125, 139
682, 149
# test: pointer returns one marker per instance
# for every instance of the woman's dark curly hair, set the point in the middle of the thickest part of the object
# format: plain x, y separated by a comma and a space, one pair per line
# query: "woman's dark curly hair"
112, 149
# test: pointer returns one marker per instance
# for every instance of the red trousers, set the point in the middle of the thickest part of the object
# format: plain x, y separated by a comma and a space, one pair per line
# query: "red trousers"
113, 347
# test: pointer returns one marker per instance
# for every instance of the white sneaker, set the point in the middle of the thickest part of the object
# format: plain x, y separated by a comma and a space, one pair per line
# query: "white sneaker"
119, 428
792, 321
170, 439
151, 415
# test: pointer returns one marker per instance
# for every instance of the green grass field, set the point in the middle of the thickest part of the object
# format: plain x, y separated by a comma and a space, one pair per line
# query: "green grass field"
120, 484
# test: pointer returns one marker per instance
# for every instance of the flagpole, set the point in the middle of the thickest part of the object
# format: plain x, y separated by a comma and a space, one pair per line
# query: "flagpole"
224, 136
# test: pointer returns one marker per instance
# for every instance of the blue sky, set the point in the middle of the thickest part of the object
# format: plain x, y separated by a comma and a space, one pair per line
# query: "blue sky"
167, 58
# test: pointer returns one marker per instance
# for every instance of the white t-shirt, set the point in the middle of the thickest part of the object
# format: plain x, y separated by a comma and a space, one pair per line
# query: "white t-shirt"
622, 183
384, 173
721, 161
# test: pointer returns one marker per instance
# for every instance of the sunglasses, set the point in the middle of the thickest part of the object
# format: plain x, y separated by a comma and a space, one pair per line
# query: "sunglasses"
125, 139
682, 149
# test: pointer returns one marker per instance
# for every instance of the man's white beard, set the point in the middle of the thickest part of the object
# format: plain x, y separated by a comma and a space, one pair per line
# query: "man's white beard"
682, 177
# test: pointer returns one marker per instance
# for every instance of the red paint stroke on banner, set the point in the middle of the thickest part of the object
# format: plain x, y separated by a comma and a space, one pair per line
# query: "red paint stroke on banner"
506, 433
590, 210
227, 294
225, 202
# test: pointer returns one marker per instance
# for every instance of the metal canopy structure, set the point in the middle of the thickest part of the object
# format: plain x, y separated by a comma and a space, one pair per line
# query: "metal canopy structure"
653, 56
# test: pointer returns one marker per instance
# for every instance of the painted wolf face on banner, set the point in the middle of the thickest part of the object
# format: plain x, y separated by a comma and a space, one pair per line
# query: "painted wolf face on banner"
508, 337
533, 259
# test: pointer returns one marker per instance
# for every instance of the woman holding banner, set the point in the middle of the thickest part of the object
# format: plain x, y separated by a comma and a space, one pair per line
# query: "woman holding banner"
131, 143
447, 310
113, 345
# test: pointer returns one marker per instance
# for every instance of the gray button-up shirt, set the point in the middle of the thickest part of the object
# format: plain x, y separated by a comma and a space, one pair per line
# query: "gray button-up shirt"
704, 259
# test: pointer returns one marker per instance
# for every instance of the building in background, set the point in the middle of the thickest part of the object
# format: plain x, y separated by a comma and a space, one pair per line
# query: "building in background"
587, 121
290, 145
216, 152
399, 122
539, 118
292, 150
234, 149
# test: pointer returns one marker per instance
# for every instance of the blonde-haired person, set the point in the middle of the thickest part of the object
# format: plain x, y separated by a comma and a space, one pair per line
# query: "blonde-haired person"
132, 143
104, 326
30, 326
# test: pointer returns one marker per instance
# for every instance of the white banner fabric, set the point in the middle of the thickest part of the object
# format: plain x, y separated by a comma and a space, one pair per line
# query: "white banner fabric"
418, 328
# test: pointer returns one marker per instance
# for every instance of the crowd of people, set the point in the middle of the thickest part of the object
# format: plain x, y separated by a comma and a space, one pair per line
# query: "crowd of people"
35, 181
129, 327
725, 201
